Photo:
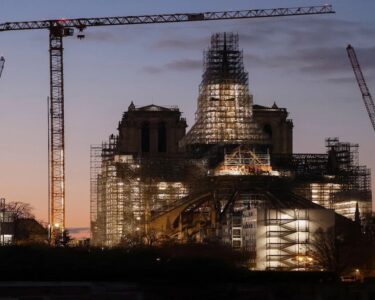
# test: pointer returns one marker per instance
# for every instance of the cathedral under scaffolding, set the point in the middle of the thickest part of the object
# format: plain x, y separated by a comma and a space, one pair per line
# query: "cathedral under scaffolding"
232, 178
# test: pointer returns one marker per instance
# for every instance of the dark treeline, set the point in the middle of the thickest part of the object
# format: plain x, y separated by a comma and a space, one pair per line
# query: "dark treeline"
177, 263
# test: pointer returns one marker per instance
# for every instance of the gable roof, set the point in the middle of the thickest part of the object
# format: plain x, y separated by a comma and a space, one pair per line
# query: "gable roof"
154, 107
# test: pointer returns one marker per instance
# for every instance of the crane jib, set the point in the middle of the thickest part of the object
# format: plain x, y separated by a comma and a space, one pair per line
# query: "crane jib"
366, 95
82, 23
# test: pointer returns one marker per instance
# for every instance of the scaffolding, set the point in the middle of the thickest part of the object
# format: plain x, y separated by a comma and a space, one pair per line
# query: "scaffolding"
224, 113
242, 220
126, 191
131, 191
95, 167
334, 180
323, 194
222, 174
346, 154
249, 233
244, 161
287, 238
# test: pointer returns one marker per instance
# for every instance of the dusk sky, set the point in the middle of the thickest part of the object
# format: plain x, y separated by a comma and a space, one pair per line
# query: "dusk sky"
298, 62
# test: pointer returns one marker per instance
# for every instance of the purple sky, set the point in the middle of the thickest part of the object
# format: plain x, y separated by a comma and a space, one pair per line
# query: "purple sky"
299, 62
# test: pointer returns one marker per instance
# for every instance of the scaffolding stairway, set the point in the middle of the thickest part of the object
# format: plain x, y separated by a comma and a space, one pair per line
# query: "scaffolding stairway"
287, 227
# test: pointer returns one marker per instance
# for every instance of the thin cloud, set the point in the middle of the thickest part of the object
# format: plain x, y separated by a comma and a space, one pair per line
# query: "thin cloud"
181, 43
331, 62
151, 70
342, 80
305, 32
182, 65
77, 230
292, 32
309, 45
350, 79
114, 36
105, 37
325, 61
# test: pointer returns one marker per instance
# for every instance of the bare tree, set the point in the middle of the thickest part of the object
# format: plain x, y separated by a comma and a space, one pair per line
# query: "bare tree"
323, 249
26, 229
338, 249
20, 210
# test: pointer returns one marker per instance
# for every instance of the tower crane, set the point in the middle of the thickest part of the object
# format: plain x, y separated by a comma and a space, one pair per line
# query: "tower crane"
61, 28
366, 96
2, 61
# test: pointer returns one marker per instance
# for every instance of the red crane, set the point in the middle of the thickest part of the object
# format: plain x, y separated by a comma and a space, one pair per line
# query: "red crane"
58, 29
366, 96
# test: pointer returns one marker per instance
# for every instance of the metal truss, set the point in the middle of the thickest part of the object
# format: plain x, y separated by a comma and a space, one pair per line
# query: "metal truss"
82, 23
56, 137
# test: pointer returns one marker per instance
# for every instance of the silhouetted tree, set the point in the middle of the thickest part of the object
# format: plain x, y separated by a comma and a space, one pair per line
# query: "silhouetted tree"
20, 210
26, 229
30, 231
369, 228
66, 238
339, 249
323, 249
63, 239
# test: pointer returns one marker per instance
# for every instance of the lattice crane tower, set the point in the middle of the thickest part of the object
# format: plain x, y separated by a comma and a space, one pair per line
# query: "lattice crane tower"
366, 96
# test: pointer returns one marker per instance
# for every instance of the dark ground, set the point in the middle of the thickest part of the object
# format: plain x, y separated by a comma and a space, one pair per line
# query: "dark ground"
171, 272
185, 290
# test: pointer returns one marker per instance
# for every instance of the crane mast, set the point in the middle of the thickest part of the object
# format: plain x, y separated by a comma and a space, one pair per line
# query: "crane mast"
58, 29
56, 135
366, 96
